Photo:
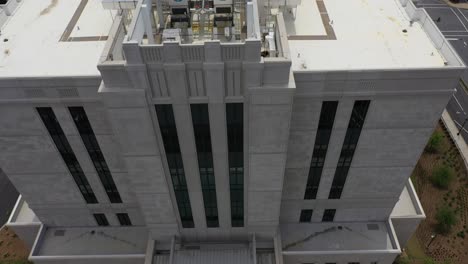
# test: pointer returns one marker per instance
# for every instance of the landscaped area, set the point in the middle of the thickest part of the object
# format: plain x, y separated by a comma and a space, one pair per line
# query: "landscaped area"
12, 249
441, 181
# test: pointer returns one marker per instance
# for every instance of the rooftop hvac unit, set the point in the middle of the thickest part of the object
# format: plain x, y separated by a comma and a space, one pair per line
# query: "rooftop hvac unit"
178, 2
171, 34
222, 2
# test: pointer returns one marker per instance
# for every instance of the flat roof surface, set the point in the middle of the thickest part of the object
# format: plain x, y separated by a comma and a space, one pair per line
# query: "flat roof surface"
405, 205
360, 34
335, 236
54, 38
25, 215
104, 241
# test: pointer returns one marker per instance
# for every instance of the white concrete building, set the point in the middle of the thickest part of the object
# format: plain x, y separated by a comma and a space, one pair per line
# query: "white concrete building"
218, 131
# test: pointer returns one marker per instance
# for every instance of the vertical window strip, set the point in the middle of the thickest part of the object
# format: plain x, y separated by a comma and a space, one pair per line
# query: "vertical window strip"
235, 133
353, 133
201, 127
174, 160
92, 146
124, 219
63, 146
329, 215
101, 219
322, 139
306, 216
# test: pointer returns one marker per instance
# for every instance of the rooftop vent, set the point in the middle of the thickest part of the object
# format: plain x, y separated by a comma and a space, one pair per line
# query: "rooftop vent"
59, 233
34, 93
372, 227
67, 92
192, 247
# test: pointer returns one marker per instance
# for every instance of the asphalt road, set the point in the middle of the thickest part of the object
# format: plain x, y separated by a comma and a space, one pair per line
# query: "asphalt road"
453, 23
8, 197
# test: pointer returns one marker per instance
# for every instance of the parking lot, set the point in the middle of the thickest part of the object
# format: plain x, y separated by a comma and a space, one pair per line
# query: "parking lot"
453, 23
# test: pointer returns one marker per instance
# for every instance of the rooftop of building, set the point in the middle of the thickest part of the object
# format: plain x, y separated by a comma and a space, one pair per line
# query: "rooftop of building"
45, 38
337, 236
358, 34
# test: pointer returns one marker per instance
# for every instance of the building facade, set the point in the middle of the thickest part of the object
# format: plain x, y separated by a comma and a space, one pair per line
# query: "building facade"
243, 132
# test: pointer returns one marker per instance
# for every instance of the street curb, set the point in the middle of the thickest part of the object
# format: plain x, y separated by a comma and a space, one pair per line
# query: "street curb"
449, 125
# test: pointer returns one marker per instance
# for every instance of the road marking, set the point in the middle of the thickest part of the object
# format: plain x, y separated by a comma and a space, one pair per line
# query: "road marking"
459, 104
462, 14
459, 19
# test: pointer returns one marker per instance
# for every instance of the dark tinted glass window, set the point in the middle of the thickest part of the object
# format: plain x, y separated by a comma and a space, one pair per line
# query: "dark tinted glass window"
201, 128
328, 215
55, 130
235, 133
349, 146
306, 215
101, 219
90, 141
174, 160
325, 126
124, 219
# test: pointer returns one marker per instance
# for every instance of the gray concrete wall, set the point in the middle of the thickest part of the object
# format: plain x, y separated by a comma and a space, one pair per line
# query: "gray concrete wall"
36, 168
404, 109
341, 258
405, 227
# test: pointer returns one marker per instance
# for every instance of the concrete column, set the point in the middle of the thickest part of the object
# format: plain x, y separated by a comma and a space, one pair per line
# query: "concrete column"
184, 125
214, 76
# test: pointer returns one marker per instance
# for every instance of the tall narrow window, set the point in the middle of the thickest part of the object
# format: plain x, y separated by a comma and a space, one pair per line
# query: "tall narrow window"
201, 128
328, 215
174, 161
101, 219
60, 140
349, 146
306, 216
325, 126
124, 219
89, 140
235, 133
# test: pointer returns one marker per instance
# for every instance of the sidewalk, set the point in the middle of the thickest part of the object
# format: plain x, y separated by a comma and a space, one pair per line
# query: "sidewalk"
459, 141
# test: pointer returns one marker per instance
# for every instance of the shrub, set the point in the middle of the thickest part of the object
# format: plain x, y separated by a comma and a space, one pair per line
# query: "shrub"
429, 260
446, 219
402, 260
435, 142
442, 176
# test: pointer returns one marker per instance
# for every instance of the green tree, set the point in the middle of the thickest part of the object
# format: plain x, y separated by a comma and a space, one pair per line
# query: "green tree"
442, 176
435, 142
446, 219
